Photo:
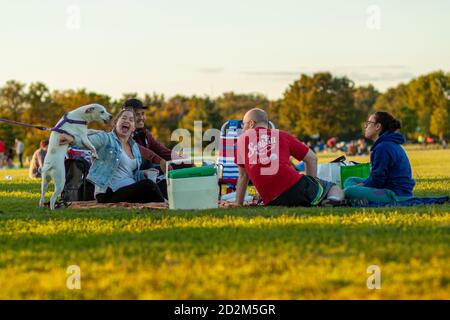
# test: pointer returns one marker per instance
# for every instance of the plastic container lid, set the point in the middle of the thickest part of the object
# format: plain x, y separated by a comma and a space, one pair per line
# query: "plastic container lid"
192, 172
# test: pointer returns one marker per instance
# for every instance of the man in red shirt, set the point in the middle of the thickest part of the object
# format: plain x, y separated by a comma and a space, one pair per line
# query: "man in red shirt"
263, 156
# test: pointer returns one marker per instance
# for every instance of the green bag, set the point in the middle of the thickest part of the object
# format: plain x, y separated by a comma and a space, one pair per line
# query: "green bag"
361, 170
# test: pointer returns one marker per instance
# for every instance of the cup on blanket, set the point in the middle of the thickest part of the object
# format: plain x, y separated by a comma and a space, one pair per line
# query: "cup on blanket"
152, 174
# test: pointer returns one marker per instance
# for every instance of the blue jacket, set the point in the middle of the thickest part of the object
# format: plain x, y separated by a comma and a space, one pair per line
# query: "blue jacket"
390, 167
108, 148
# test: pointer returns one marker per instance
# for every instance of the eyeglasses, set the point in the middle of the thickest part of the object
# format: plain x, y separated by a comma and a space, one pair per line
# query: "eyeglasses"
366, 124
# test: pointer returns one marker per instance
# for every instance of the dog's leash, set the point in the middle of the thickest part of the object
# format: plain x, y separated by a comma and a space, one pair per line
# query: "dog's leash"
57, 128
25, 124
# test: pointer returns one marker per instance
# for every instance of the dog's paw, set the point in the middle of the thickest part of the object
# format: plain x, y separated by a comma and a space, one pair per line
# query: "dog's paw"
94, 155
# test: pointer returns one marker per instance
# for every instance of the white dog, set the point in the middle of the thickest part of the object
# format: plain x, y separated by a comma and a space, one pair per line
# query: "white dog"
73, 123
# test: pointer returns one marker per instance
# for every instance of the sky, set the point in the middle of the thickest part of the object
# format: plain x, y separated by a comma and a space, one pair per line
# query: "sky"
207, 47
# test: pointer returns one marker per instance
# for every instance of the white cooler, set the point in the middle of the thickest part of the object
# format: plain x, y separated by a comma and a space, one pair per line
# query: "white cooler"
198, 192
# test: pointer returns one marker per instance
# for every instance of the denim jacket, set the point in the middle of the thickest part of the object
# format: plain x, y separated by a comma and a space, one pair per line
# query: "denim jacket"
108, 148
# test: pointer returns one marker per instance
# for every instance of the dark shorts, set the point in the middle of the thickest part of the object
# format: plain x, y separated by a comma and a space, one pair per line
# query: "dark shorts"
307, 192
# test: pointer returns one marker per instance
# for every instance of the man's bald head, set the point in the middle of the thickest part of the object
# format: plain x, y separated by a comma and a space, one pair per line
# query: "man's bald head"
259, 117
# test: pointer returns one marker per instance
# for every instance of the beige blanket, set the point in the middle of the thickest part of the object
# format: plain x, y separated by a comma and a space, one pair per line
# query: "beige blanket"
151, 205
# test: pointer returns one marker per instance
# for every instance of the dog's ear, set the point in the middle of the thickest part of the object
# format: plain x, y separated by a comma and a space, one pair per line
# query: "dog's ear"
90, 110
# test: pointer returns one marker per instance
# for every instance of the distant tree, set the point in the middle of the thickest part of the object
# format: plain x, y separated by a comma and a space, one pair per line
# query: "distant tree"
365, 98
319, 104
440, 122
12, 99
426, 95
12, 106
234, 106
422, 104
69, 100
154, 99
164, 120
201, 109
41, 110
396, 101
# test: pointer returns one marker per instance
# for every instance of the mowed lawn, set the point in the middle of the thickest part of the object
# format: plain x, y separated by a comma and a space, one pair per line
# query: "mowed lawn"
246, 253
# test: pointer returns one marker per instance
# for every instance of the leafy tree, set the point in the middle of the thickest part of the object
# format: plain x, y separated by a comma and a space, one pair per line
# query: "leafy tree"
201, 109
41, 110
12, 105
163, 121
234, 106
396, 102
319, 104
273, 112
439, 124
422, 104
365, 99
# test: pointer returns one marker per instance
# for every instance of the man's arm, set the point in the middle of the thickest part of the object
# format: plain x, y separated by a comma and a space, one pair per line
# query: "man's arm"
241, 187
301, 152
157, 147
311, 164
149, 155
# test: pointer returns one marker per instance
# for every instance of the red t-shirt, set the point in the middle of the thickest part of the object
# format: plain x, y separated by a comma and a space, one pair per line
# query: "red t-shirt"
2, 146
265, 155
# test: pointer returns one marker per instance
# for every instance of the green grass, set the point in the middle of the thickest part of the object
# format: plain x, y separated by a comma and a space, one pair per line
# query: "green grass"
245, 253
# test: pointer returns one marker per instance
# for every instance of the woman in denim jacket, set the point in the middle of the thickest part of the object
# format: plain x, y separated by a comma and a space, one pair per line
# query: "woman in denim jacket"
116, 173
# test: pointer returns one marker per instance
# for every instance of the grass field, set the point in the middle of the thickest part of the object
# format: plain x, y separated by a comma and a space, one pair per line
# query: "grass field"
245, 253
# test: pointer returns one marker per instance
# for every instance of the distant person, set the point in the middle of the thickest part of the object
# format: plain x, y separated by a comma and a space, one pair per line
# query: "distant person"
362, 146
331, 143
420, 139
311, 145
263, 156
2, 152
9, 155
320, 146
19, 151
352, 148
390, 177
37, 161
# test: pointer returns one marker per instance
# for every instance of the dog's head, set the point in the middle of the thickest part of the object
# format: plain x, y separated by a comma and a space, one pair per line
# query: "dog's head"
95, 112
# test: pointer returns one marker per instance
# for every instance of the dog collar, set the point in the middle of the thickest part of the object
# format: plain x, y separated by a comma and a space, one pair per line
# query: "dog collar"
66, 119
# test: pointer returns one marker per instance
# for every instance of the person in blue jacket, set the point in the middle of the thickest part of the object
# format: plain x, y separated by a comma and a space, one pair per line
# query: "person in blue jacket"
390, 177
116, 173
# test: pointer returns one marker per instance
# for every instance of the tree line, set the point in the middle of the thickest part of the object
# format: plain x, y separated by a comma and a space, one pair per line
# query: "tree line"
318, 105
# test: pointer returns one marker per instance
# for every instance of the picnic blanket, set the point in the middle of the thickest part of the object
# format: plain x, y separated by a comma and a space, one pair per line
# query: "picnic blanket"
408, 203
224, 204
95, 205
138, 206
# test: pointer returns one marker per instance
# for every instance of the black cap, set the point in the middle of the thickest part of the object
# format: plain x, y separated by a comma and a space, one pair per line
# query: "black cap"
134, 104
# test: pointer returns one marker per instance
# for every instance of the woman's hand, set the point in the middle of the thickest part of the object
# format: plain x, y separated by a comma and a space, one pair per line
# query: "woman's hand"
65, 139
151, 174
